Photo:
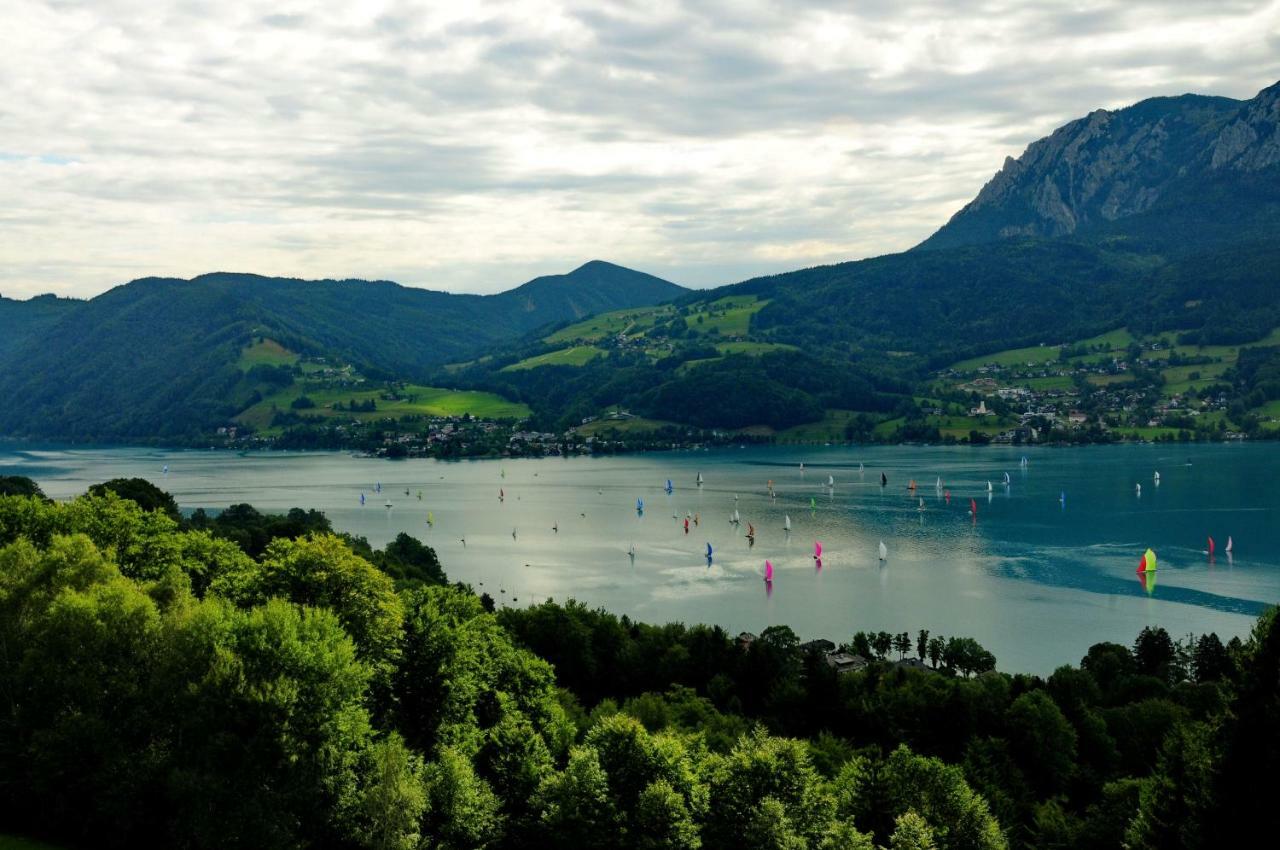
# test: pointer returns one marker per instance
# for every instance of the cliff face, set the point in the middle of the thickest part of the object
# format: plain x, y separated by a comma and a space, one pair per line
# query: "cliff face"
1113, 164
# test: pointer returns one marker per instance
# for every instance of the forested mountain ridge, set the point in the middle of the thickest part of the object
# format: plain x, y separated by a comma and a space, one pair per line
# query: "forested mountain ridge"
20, 320
1161, 218
158, 357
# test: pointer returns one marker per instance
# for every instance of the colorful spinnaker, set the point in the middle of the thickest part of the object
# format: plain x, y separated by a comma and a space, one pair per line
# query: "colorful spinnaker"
768, 572
817, 550
1148, 562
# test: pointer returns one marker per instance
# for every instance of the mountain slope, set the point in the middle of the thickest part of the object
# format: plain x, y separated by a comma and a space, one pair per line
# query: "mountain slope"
158, 357
1111, 165
1164, 216
23, 320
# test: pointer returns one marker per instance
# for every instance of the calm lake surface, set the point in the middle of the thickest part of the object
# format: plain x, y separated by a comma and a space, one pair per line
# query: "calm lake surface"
1036, 579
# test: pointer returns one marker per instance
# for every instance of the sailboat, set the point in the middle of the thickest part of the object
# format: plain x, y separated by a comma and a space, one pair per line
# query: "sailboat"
377, 488
165, 469
768, 572
884, 551
503, 472
419, 495
362, 498
1230, 544
431, 519
937, 485
699, 479
639, 506
1156, 478
973, 508
786, 522
669, 488
751, 531
632, 551
831, 481
708, 553
988, 486
1062, 498
1147, 564
736, 518
921, 506
884, 479
388, 503
502, 497
1023, 462
513, 534
813, 504
1006, 479
1209, 551
817, 550
860, 468
1137, 488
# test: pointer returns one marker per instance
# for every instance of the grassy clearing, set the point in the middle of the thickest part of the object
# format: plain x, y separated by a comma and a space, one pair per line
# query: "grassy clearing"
1270, 410
1035, 355
753, 349
602, 427
578, 355
1147, 433
1178, 380
828, 429
631, 320
1109, 380
728, 316
268, 352
416, 401
960, 426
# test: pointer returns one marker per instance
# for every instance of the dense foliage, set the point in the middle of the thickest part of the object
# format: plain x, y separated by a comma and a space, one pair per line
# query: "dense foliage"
162, 687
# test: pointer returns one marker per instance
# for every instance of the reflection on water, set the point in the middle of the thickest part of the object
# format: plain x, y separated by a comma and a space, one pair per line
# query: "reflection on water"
1034, 576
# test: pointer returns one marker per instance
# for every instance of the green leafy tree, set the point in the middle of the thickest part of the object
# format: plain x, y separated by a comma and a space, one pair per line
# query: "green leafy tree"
911, 832
1043, 742
393, 803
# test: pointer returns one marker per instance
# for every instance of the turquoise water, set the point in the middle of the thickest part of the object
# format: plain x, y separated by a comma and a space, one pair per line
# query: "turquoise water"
1034, 579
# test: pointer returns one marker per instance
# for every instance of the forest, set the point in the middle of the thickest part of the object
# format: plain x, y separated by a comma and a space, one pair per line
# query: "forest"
250, 680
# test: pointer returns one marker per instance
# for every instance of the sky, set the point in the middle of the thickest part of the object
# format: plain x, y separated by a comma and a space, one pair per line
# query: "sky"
471, 147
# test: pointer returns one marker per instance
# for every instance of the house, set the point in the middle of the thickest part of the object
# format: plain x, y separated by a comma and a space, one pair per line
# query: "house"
820, 645
745, 640
845, 662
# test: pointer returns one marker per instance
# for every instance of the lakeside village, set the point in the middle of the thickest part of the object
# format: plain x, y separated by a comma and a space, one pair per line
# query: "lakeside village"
1065, 395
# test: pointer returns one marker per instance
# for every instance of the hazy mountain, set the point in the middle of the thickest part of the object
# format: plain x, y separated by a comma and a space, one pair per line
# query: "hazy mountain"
157, 357
1111, 165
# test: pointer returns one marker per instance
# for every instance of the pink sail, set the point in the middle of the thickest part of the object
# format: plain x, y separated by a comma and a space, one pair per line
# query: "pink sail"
817, 549
768, 571
1211, 546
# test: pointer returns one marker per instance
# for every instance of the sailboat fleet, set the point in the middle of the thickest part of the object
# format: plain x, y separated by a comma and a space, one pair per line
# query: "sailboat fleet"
1147, 565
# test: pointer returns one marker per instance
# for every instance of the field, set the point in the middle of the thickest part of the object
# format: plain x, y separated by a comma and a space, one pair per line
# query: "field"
1110, 380
622, 426
752, 348
828, 429
1178, 380
729, 316
631, 320
960, 426
416, 400
577, 355
268, 352
1035, 355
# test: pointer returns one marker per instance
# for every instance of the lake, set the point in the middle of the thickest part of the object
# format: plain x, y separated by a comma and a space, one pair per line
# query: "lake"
1035, 578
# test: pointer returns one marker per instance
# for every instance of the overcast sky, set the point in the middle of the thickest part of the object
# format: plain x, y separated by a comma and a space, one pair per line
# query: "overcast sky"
470, 149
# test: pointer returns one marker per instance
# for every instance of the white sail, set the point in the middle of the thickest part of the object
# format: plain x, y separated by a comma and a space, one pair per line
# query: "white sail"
988, 486
1230, 543
884, 551
786, 523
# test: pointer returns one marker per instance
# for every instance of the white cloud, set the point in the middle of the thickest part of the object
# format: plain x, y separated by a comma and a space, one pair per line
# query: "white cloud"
470, 147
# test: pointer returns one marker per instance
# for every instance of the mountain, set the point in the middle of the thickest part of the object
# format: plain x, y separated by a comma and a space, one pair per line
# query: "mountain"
1164, 216
160, 357
1111, 165
22, 320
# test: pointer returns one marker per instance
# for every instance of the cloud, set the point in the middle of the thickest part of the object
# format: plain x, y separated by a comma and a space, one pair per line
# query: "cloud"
473, 148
